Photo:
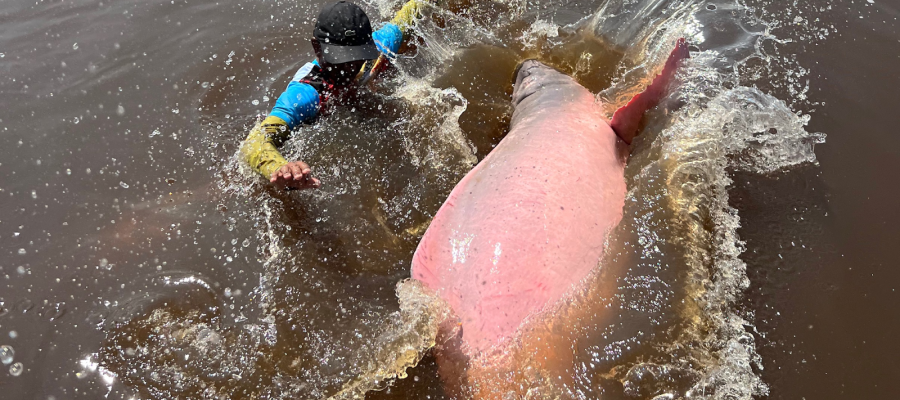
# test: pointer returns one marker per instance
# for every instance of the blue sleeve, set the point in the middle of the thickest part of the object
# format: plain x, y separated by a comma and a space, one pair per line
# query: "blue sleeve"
388, 39
299, 103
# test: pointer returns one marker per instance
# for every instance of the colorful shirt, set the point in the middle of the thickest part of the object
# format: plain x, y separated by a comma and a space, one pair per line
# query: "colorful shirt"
308, 93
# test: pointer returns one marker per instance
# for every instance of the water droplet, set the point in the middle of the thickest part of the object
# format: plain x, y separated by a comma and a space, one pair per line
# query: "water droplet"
21, 270
123, 185
24, 306
22, 252
13, 334
155, 132
120, 110
246, 242
34, 194
97, 319
75, 46
255, 102
16, 369
6, 354
54, 311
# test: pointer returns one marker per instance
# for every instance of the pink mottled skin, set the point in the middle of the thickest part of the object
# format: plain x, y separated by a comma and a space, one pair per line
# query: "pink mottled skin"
532, 218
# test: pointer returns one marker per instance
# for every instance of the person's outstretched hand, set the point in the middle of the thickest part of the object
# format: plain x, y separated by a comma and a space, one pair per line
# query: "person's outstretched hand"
295, 175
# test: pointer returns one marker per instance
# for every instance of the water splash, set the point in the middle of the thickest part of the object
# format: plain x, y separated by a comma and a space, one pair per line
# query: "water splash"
446, 146
409, 334
717, 125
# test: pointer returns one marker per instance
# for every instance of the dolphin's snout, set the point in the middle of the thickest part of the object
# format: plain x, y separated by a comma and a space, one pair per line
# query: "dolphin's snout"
525, 69
532, 75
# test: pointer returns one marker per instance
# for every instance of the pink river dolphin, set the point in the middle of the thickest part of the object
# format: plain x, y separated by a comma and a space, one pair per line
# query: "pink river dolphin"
532, 219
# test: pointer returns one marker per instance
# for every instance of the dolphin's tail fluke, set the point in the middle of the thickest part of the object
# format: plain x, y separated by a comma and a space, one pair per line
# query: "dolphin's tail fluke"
625, 120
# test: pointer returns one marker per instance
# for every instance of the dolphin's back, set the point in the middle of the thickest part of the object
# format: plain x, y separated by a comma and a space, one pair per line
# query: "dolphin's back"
533, 217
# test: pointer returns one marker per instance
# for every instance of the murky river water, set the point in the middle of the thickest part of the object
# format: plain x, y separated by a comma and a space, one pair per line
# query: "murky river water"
140, 260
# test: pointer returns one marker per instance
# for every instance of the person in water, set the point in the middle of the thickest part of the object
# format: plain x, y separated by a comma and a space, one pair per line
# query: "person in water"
348, 54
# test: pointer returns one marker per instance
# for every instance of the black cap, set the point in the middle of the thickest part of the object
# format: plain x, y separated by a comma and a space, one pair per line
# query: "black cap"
345, 34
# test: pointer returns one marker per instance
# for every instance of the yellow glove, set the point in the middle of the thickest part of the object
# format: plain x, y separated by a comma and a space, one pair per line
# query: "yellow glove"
407, 15
260, 148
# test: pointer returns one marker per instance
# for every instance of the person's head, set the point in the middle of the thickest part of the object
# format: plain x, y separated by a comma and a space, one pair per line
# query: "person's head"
342, 39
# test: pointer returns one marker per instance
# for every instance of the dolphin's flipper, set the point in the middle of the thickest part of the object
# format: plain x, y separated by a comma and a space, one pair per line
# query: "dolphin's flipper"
626, 119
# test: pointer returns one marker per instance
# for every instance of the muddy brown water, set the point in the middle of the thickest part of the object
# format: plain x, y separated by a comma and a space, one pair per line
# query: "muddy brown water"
120, 196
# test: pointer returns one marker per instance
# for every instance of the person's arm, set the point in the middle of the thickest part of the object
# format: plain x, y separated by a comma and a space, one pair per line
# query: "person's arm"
392, 34
389, 40
299, 103
260, 149
407, 14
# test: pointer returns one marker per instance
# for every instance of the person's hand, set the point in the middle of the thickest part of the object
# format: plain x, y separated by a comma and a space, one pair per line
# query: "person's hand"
295, 175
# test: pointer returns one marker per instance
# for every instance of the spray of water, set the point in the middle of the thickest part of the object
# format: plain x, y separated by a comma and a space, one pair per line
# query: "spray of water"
716, 125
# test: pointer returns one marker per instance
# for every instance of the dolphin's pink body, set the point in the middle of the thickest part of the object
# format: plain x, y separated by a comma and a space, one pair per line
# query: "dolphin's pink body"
533, 217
